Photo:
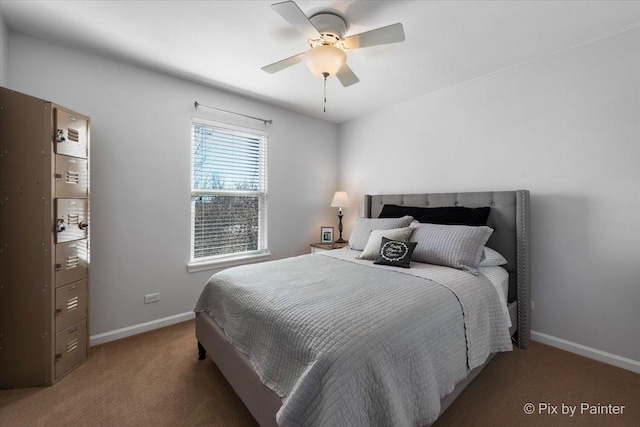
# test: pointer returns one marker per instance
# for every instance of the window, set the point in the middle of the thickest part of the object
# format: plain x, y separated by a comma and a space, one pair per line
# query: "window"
228, 191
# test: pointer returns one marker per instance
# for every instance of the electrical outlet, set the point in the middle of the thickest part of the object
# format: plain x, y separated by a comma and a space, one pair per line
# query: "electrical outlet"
532, 306
151, 298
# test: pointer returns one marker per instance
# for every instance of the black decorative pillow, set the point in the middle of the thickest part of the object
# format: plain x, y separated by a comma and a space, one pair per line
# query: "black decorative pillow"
395, 253
448, 215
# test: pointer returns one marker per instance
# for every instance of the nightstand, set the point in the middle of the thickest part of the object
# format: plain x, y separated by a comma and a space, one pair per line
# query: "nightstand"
320, 247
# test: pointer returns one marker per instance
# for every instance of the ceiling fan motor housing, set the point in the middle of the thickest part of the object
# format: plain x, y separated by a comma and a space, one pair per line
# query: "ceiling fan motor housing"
330, 26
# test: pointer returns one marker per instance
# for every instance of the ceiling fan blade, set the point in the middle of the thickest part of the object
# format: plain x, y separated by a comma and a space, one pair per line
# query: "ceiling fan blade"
281, 65
384, 35
293, 15
346, 76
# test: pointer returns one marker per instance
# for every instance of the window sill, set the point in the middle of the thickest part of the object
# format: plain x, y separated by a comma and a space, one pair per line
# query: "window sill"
232, 261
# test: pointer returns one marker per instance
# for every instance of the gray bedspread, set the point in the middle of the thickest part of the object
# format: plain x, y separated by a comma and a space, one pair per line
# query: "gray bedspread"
348, 343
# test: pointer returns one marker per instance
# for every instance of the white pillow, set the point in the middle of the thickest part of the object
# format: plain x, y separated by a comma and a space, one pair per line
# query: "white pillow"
491, 258
364, 226
374, 244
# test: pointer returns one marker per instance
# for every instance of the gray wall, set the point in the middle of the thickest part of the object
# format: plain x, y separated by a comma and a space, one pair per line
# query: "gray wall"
140, 174
567, 128
4, 40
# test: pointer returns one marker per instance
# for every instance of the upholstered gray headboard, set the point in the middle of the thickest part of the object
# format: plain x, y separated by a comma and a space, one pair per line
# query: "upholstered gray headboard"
509, 219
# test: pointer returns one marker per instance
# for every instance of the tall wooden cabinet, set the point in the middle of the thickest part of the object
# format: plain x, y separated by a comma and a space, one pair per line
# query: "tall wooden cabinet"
44, 240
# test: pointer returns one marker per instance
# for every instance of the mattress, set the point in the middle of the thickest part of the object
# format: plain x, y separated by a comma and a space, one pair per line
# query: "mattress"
499, 278
328, 342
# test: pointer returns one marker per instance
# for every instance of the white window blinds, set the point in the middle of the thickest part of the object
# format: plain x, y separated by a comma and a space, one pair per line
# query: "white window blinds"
229, 190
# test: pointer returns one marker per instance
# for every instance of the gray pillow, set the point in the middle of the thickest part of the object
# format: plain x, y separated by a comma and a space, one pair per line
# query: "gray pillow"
457, 246
364, 227
372, 249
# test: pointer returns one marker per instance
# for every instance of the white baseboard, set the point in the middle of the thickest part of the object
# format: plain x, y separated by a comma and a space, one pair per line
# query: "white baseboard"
591, 353
140, 328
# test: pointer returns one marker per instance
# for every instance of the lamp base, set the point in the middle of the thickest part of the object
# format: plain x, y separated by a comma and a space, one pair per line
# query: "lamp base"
340, 239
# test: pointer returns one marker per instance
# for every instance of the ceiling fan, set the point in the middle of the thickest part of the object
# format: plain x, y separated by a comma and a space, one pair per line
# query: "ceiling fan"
325, 32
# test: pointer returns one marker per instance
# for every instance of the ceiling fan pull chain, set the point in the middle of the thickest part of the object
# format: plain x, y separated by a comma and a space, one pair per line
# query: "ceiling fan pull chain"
325, 75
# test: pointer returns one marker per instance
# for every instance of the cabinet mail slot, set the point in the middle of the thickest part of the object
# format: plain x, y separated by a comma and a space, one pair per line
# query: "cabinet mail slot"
71, 304
71, 134
71, 262
71, 220
72, 177
71, 347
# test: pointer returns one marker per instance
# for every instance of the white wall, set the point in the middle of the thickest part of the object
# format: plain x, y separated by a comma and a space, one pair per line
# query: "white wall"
140, 174
4, 37
565, 127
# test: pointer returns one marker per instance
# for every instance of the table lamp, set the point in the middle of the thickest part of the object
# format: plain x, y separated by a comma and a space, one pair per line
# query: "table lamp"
340, 200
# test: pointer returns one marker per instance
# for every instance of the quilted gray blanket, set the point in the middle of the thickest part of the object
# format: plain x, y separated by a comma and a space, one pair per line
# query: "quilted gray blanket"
348, 343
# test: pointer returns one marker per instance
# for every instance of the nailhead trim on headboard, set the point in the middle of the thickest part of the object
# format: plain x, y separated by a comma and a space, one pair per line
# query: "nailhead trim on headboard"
524, 290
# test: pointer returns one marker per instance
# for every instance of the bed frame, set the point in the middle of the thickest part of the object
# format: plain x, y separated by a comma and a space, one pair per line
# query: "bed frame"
509, 218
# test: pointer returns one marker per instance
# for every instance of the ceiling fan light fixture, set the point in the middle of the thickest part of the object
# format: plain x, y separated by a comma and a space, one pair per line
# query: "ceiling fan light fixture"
324, 59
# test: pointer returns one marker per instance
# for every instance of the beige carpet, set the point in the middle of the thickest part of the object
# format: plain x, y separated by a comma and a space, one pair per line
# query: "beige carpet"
544, 374
155, 379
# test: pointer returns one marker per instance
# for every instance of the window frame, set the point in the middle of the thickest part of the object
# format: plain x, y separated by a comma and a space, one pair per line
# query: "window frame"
236, 258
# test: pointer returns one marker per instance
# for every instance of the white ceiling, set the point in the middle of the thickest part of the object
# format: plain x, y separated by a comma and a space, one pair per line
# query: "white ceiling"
224, 43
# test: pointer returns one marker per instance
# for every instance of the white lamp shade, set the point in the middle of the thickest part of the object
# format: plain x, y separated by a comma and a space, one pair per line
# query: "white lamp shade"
324, 59
340, 200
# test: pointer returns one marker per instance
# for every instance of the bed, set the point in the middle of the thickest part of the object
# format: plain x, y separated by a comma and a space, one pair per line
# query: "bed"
509, 218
